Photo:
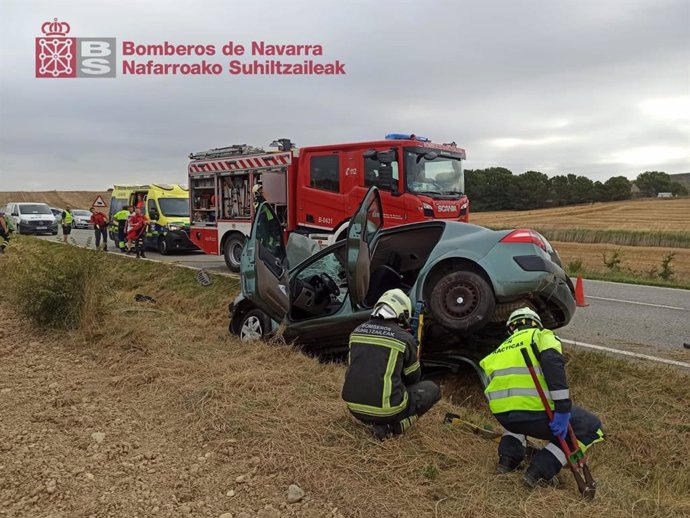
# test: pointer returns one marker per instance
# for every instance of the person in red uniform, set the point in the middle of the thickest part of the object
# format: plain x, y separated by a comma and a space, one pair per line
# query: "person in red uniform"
135, 232
100, 228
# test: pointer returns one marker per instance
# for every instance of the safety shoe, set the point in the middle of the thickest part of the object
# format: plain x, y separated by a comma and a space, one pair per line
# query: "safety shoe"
533, 478
506, 464
382, 431
143, 255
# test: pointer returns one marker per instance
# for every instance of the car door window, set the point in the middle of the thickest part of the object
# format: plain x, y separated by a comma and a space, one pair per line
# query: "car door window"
319, 289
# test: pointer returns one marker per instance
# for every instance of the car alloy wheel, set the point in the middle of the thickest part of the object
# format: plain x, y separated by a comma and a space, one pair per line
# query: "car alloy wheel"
254, 326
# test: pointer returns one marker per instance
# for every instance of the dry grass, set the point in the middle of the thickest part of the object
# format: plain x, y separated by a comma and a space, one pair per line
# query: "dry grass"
639, 258
59, 199
635, 215
182, 368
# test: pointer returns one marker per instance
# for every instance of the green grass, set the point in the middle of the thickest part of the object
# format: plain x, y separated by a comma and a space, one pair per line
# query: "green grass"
628, 278
670, 239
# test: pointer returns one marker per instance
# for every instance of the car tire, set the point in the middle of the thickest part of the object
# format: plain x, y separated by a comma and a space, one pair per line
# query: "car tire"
54, 233
462, 301
255, 325
163, 247
232, 250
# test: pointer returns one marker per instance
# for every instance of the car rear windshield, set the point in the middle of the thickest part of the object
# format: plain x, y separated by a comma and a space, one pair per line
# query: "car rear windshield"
34, 208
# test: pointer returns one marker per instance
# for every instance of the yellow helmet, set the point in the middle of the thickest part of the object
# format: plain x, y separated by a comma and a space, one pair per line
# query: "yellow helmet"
521, 316
393, 305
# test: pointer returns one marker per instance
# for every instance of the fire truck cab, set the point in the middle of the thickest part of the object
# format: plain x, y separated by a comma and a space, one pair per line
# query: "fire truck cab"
315, 190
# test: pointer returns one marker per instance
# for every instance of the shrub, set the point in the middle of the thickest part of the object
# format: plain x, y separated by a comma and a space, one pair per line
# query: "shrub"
575, 266
666, 271
58, 289
613, 263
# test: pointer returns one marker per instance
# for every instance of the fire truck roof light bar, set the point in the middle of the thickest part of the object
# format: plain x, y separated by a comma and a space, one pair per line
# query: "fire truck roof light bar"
406, 136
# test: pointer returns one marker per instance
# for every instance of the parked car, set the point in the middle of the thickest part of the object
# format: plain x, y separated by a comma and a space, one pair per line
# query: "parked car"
469, 277
80, 218
32, 218
57, 213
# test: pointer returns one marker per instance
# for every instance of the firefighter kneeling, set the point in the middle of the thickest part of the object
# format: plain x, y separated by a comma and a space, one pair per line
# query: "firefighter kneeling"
382, 386
516, 404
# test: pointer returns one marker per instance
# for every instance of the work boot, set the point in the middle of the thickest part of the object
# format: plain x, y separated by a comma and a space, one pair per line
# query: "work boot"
506, 464
382, 431
533, 478
143, 254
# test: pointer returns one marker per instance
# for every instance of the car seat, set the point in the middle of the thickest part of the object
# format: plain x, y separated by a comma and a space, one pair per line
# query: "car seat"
384, 277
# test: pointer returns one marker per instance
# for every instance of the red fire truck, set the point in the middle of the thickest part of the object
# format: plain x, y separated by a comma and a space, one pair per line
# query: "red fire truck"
314, 190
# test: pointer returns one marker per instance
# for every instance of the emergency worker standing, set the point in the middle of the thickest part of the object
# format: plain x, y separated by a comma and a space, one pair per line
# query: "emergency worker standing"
100, 228
67, 220
258, 192
135, 233
120, 219
515, 402
382, 383
4, 232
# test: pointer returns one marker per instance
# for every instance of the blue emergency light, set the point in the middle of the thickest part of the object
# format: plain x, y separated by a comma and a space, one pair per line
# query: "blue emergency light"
406, 136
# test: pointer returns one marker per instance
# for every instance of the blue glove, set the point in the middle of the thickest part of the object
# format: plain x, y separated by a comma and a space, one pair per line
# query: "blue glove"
559, 425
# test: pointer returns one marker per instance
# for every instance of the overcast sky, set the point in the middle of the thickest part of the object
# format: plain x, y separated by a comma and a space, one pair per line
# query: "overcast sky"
598, 88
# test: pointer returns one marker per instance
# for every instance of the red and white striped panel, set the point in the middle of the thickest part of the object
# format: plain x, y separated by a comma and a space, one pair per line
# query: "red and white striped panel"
239, 163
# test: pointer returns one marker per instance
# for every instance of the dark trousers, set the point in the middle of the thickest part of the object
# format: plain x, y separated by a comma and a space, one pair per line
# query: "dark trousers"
101, 233
121, 234
420, 398
4, 240
549, 460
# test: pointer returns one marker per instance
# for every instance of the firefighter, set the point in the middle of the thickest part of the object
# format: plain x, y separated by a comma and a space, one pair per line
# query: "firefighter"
382, 383
258, 192
66, 220
515, 402
120, 218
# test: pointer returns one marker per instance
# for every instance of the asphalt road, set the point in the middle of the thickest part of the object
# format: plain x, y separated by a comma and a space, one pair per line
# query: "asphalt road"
194, 259
641, 319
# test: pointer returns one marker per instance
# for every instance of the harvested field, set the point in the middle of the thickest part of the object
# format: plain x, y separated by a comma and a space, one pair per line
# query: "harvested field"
638, 258
635, 215
59, 199
161, 413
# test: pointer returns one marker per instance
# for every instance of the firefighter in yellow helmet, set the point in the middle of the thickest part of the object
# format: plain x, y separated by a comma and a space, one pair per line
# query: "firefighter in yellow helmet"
382, 383
516, 404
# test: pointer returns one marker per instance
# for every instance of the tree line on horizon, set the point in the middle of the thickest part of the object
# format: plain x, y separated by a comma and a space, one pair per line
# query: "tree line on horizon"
497, 188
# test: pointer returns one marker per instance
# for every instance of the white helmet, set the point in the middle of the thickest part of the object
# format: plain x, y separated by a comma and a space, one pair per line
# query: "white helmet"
257, 187
521, 316
393, 305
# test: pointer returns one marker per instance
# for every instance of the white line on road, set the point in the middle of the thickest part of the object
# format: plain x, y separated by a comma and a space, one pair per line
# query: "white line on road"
639, 303
626, 353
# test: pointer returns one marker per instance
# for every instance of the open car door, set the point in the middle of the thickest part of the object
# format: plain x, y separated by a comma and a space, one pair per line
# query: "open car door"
361, 232
263, 265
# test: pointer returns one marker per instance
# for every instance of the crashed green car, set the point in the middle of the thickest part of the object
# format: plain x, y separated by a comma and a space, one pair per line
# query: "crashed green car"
468, 277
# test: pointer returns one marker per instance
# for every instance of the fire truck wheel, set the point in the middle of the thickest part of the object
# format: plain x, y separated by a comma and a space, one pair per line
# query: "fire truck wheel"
233, 251
254, 326
163, 248
462, 301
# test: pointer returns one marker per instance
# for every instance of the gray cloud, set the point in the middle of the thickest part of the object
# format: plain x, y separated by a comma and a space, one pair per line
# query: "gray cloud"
552, 86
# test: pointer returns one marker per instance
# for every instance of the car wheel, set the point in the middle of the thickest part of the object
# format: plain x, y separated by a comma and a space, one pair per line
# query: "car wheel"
462, 301
233, 252
163, 248
255, 325
54, 233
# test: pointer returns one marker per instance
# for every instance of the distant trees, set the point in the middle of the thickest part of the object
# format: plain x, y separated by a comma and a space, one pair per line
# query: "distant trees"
497, 188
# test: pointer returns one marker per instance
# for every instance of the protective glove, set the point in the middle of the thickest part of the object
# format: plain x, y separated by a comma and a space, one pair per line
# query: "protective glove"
559, 424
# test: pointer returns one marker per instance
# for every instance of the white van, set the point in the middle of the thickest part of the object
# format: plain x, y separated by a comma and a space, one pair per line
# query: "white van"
32, 218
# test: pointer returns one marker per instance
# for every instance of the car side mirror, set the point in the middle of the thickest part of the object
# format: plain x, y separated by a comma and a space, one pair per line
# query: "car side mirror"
153, 214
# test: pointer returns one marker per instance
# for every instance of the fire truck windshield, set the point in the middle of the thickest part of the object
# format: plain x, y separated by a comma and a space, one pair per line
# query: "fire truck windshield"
174, 207
432, 173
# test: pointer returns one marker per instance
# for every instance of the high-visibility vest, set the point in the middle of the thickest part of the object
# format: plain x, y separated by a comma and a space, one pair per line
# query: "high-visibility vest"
67, 219
510, 385
121, 215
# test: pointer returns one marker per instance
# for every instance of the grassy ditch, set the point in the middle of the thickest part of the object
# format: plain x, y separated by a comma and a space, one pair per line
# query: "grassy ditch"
175, 359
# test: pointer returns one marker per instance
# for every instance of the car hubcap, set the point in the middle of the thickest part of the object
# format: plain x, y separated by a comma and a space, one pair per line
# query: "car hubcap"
461, 300
251, 329
236, 253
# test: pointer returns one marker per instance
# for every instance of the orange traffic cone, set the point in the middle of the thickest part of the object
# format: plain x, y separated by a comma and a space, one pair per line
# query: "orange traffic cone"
580, 293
